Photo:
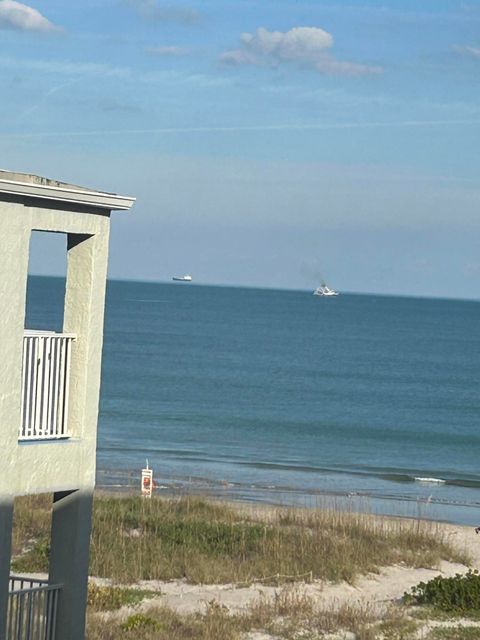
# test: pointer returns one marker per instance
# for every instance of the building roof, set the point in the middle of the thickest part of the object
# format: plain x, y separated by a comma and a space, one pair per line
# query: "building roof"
26, 184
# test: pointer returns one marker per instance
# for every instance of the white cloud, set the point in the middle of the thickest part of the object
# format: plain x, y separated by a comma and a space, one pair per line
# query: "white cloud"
304, 46
470, 51
15, 15
167, 51
150, 10
300, 43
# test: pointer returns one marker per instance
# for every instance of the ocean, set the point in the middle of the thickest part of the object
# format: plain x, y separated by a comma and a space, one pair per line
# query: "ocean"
361, 401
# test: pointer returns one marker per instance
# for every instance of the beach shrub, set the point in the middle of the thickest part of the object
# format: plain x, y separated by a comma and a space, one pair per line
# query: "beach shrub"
34, 559
140, 621
102, 598
459, 594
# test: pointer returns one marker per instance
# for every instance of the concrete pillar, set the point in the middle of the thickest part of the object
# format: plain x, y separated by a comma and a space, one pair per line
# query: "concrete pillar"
6, 519
83, 315
71, 525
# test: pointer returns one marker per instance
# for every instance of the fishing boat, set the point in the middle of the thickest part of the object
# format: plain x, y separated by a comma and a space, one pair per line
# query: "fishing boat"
324, 290
185, 278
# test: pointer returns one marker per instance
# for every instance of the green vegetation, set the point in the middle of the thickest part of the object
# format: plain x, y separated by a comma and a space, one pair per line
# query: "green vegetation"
104, 598
455, 633
35, 558
211, 542
165, 624
31, 533
446, 599
459, 595
290, 615
397, 626
140, 621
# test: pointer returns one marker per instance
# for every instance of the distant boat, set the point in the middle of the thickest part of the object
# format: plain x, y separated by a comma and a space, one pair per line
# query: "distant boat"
185, 278
324, 290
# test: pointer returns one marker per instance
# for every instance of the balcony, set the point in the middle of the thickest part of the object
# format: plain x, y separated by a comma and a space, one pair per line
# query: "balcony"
45, 385
32, 609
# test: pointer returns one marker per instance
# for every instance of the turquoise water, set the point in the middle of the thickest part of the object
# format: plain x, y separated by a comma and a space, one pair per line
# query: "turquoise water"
280, 396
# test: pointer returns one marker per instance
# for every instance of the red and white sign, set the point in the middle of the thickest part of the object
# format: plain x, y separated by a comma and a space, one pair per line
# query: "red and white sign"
147, 482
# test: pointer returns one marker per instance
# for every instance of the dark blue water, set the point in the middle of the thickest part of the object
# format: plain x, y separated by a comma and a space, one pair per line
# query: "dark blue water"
285, 397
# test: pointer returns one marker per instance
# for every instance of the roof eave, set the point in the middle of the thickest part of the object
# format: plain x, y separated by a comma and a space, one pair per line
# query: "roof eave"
99, 199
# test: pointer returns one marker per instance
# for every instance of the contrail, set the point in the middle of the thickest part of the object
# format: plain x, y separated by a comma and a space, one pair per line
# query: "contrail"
233, 129
48, 93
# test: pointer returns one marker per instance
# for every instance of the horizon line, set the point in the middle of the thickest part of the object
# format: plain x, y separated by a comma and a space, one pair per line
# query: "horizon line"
269, 288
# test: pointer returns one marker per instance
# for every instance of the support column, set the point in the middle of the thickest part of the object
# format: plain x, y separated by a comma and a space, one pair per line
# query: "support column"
6, 521
70, 541
83, 315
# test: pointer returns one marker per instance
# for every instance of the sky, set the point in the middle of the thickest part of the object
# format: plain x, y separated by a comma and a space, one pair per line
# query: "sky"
268, 143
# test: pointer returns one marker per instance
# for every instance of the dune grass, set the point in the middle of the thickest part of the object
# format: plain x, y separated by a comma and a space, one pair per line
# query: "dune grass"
289, 615
31, 533
212, 542
459, 632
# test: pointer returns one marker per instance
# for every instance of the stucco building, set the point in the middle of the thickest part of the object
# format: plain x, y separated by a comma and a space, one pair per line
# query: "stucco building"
49, 394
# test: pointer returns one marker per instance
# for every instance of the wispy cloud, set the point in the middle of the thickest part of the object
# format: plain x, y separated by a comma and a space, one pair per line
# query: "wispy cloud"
473, 52
113, 105
167, 51
21, 17
153, 11
66, 68
102, 70
174, 78
253, 128
304, 46
43, 98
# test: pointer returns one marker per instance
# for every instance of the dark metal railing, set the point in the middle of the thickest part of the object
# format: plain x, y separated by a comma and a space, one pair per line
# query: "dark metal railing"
32, 609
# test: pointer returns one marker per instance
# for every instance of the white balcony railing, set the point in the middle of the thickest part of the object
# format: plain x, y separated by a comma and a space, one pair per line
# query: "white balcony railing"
45, 385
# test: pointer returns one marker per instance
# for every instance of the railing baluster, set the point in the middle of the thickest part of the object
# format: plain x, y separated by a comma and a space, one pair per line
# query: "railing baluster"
48, 387
53, 618
56, 385
36, 374
12, 604
44, 387
24, 386
29, 402
48, 613
66, 385
20, 611
61, 389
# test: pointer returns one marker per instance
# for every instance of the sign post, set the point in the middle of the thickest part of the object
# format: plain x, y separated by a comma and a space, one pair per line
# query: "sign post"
147, 482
